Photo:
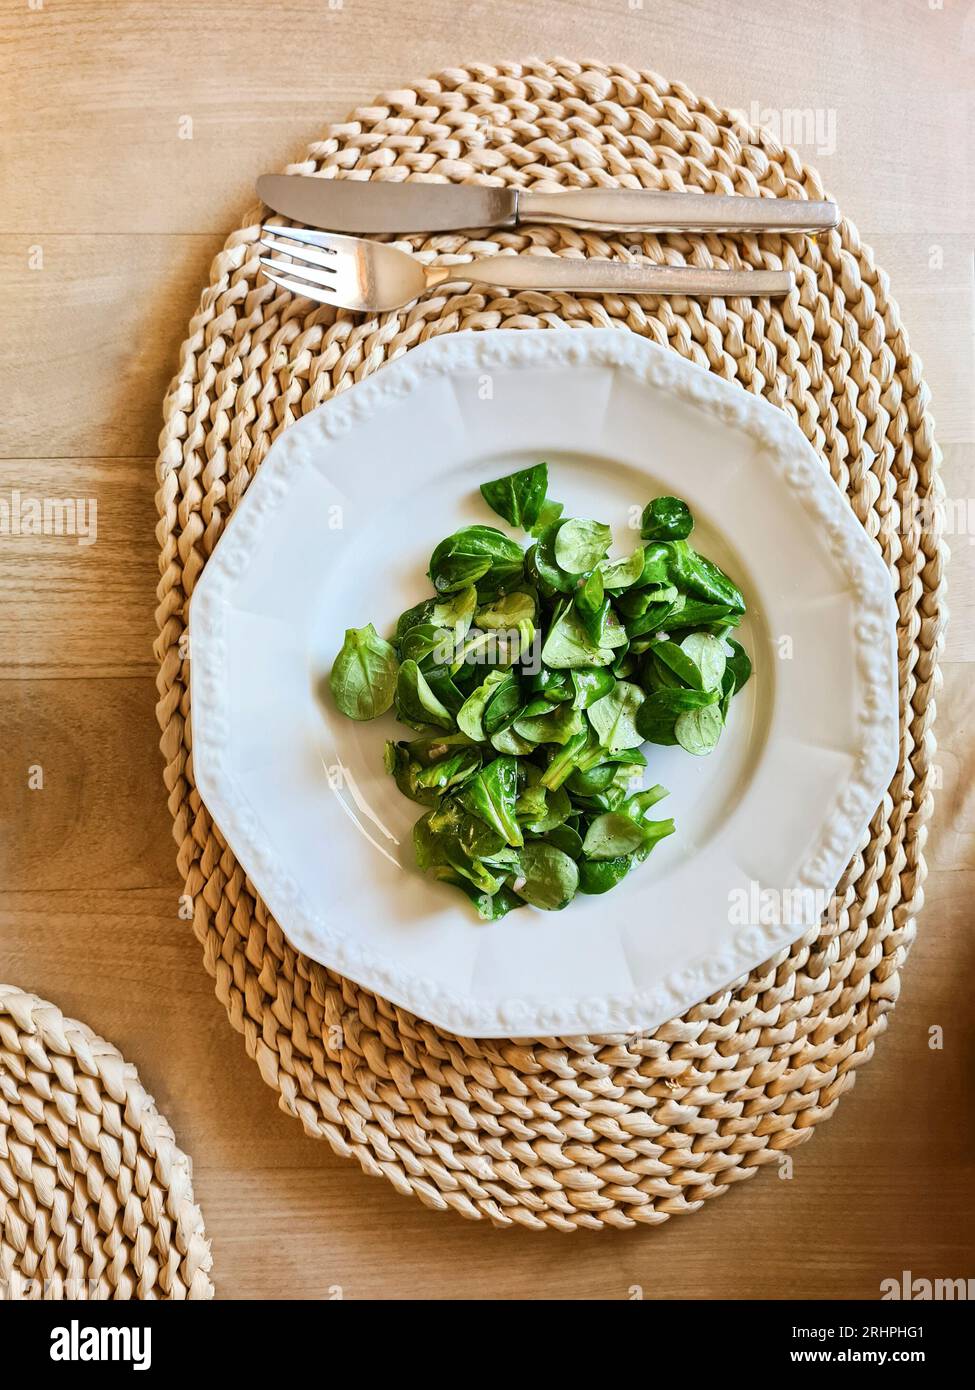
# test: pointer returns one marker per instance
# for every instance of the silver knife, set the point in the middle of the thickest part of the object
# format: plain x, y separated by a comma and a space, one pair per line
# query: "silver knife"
379, 205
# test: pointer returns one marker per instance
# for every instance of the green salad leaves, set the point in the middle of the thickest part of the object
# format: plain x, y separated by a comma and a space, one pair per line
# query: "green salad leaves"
533, 678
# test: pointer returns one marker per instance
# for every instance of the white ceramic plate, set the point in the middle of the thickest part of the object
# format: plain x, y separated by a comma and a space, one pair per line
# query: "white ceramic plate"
336, 531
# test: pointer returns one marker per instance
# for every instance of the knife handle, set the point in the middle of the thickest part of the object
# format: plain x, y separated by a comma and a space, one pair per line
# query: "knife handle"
648, 211
611, 277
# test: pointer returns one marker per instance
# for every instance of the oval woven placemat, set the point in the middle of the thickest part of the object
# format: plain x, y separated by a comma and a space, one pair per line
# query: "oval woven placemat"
96, 1200
590, 1131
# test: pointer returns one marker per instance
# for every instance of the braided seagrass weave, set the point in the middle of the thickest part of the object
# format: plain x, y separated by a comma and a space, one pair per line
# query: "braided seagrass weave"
588, 1131
96, 1200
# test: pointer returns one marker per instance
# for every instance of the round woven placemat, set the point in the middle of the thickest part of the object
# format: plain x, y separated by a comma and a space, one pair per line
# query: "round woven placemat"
590, 1131
96, 1200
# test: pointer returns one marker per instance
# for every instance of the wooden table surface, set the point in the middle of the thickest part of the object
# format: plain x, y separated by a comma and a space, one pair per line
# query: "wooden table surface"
109, 217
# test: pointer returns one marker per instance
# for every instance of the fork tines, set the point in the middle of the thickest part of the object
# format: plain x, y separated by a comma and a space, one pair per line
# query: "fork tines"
312, 265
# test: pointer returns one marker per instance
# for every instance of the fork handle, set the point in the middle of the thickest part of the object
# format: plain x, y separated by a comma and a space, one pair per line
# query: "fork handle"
611, 277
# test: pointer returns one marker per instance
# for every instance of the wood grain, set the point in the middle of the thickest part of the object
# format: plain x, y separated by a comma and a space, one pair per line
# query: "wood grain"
72, 608
127, 215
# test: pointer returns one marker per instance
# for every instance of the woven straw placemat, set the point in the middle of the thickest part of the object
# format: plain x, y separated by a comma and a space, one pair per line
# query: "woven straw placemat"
96, 1200
589, 1131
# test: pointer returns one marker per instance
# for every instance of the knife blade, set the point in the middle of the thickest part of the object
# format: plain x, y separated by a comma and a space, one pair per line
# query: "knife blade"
379, 205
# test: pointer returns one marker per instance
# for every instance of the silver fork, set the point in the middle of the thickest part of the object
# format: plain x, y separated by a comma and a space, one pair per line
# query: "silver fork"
353, 273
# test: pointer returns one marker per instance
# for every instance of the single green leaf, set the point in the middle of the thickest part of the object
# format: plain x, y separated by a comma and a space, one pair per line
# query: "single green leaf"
487, 878
614, 717
471, 713
568, 644
591, 781
696, 613
502, 705
590, 684
657, 617
416, 703
624, 663
595, 623
401, 767
655, 831
413, 617
629, 757
472, 554
433, 748
654, 724
532, 801
555, 686
541, 559
508, 741
611, 835
657, 675
478, 648
593, 607
674, 700
428, 848
454, 612
558, 724
548, 516
601, 802
637, 805
518, 497
614, 634
622, 574
363, 676
547, 877
581, 544
708, 656
540, 809
727, 691
492, 795
565, 838
600, 875
537, 705
564, 760
666, 519
449, 772
589, 596
658, 564
478, 839
739, 664
440, 681
507, 611
698, 730
635, 602
423, 641
679, 662
703, 578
